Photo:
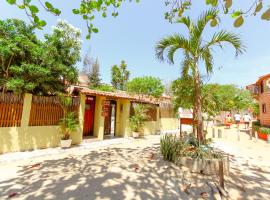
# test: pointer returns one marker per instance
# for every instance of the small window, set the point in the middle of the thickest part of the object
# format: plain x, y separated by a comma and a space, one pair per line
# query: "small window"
262, 87
264, 108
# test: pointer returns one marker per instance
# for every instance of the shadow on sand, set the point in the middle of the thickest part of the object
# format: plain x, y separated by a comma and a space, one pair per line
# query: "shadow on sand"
119, 173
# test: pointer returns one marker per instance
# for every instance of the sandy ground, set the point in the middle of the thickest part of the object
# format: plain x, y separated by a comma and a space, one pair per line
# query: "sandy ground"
249, 165
134, 170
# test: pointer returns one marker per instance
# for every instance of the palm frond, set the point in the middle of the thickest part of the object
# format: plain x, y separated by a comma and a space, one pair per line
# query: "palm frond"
227, 37
186, 65
171, 43
202, 21
207, 57
186, 21
171, 51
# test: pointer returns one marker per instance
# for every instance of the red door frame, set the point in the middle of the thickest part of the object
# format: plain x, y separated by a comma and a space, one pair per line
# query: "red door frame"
89, 115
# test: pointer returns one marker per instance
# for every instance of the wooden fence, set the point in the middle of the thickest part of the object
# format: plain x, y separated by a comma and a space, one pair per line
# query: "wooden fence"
46, 111
166, 110
11, 107
151, 112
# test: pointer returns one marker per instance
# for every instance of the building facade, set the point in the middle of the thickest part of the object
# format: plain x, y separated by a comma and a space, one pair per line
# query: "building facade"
100, 114
261, 91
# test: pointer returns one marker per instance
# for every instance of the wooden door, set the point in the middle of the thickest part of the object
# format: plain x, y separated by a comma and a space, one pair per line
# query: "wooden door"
107, 118
89, 115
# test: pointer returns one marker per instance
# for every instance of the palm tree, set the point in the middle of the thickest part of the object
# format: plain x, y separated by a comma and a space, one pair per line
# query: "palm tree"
196, 51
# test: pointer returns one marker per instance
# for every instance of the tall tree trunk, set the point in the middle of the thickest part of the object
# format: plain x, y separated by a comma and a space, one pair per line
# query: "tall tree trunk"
198, 102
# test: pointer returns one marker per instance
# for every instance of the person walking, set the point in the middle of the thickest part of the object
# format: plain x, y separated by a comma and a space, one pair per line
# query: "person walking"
237, 119
247, 120
228, 121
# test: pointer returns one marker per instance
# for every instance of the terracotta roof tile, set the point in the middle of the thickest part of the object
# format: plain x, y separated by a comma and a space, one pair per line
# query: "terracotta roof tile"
122, 95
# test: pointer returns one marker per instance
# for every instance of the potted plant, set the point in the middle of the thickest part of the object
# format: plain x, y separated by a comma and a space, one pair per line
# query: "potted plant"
266, 132
255, 128
68, 124
137, 119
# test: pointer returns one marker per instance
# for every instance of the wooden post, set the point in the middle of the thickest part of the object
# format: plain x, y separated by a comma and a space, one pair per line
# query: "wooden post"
238, 135
256, 136
213, 132
250, 134
181, 134
221, 174
26, 110
219, 133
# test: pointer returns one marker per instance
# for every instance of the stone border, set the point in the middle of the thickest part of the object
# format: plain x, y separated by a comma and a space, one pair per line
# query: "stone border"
207, 166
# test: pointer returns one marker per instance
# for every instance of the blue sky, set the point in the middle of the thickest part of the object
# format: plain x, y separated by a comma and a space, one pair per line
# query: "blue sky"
133, 34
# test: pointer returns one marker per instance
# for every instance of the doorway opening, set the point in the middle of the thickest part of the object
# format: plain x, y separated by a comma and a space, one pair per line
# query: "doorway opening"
89, 115
110, 118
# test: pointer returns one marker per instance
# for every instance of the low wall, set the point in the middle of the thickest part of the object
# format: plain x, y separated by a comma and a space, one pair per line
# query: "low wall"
207, 166
14, 139
25, 137
169, 124
150, 128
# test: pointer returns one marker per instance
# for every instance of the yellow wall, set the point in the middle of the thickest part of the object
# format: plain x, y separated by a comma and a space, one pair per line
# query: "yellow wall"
99, 119
150, 128
26, 137
168, 124
122, 118
29, 138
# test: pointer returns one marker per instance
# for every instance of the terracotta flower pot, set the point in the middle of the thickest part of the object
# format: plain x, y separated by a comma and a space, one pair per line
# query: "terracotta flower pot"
65, 143
262, 136
135, 134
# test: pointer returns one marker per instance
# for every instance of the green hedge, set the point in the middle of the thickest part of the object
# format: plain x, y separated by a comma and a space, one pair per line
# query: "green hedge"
256, 126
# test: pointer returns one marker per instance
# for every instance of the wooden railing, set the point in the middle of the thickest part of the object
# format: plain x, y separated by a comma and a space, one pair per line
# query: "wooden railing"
46, 111
11, 107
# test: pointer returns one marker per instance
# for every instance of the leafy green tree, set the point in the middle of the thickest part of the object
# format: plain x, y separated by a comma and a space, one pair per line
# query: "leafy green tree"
184, 96
94, 75
251, 8
63, 48
183, 93
146, 85
105, 88
176, 8
40, 67
120, 76
215, 97
196, 50
19, 49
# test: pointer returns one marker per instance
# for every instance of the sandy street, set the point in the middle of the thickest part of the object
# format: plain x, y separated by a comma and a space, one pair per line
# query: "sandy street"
133, 170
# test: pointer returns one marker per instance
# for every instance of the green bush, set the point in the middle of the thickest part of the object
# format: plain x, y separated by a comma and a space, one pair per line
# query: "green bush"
170, 146
105, 88
68, 124
256, 126
173, 147
137, 120
265, 130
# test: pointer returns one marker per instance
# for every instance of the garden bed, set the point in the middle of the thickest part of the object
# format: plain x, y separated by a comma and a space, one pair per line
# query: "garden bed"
204, 166
198, 157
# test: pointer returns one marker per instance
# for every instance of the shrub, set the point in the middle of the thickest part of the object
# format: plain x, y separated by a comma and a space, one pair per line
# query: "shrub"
68, 124
170, 146
105, 88
256, 126
265, 130
173, 147
139, 117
